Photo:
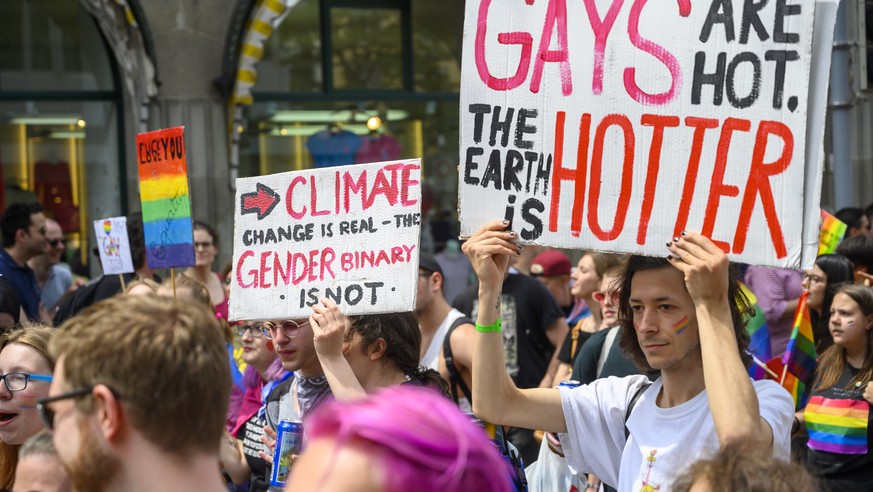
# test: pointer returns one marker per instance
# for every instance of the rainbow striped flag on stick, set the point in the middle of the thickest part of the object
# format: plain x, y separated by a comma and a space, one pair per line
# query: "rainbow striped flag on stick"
831, 233
837, 426
799, 359
166, 205
759, 331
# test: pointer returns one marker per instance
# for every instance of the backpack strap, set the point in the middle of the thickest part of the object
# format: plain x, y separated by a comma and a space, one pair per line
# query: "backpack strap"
630, 408
455, 379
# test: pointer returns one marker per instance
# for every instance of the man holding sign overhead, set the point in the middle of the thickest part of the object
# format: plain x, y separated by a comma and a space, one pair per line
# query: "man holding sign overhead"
681, 316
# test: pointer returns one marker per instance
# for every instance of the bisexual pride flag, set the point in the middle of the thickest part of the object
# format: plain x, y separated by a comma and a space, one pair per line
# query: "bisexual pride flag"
837, 426
166, 205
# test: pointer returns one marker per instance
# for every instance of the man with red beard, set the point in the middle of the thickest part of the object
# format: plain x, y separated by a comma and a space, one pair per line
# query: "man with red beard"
139, 396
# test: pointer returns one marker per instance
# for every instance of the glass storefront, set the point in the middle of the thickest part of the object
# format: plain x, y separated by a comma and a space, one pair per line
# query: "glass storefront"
345, 82
59, 121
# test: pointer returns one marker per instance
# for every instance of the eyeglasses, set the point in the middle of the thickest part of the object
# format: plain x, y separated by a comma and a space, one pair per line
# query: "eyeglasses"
54, 243
202, 245
17, 381
813, 279
256, 330
47, 414
289, 328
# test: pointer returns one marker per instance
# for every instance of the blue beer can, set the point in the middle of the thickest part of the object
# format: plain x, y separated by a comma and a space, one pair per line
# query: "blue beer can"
289, 441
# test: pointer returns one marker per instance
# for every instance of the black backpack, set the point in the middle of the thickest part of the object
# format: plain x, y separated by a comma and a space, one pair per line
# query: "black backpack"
455, 379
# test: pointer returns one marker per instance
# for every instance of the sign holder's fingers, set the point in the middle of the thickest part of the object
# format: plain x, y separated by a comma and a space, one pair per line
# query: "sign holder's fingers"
689, 252
701, 241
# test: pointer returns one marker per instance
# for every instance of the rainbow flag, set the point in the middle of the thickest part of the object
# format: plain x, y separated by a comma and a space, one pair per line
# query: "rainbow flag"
756, 325
166, 205
799, 359
831, 233
837, 426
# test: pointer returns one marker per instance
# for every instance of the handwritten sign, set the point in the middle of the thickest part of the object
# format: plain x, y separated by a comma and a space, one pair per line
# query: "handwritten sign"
166, 206
113, 245
348, 233
617, 125
832, 232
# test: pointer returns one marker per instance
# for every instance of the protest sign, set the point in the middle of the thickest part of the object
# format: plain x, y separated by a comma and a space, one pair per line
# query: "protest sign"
615, 125
347, 233
166, 206
113, 245
832, 232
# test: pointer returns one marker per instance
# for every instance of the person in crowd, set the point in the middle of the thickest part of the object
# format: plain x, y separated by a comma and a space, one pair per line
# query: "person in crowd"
110, 285
552, 268
533, 329
738, 467
821, 282
778, 291
54, 279
521, 263
240, 456
856, 221
139, 396
456, 268
587, 278
26, 369
39, 468
859, 250
395, 438
206, 251
10, 306
837, 416
681, 315
435, 317
23, 228
142, 287
361, 354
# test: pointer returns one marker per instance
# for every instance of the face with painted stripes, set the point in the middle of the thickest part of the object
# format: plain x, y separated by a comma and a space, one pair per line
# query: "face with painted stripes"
848, 324
664, 317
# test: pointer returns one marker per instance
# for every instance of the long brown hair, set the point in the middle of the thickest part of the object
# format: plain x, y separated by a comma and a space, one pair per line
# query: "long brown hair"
833, 361
35, 336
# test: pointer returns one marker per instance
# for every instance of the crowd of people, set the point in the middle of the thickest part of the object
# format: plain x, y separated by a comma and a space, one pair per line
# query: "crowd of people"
623, 373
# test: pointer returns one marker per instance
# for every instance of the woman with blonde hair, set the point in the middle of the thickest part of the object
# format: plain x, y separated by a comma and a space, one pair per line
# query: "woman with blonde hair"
26, 371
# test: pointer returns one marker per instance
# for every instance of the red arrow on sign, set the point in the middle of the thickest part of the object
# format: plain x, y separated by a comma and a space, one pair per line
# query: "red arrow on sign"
260, 202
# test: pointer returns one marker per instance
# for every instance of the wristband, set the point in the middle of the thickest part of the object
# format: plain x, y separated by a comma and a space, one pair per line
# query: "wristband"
493, 328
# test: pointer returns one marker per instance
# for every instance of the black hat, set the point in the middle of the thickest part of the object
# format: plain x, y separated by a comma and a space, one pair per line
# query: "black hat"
429, 263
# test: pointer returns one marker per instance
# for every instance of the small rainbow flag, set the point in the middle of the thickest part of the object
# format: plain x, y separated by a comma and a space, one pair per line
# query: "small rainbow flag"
831, 233
799, 359
759, 331
166, 205
837, 426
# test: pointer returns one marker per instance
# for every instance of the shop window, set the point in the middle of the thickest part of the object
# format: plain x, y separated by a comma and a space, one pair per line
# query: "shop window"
59, 123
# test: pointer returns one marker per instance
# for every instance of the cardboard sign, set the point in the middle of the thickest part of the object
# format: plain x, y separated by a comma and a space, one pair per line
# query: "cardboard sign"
615, 125
348, 233
166, 206
113, 245
832, 232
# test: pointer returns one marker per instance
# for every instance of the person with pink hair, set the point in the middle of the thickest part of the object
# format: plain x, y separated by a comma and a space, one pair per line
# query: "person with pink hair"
394, 438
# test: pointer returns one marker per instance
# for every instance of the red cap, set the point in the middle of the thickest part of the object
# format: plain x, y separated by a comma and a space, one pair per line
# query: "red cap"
550, 263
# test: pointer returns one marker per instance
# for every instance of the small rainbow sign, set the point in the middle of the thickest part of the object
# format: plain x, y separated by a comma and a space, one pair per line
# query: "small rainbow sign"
831, 233
166, 204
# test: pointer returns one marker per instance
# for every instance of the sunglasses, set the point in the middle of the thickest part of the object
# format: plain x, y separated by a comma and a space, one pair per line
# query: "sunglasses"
600, 297
54, 243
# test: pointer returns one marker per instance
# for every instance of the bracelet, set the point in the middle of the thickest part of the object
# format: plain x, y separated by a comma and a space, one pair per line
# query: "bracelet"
492, 328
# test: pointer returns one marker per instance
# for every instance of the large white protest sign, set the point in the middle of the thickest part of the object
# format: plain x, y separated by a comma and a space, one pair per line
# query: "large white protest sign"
616, 124
113, 245
348, 233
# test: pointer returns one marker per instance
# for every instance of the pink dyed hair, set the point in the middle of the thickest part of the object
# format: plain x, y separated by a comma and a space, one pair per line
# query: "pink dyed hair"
419, 437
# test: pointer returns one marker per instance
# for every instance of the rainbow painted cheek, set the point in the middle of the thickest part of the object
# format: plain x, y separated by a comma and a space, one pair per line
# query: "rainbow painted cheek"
680, 325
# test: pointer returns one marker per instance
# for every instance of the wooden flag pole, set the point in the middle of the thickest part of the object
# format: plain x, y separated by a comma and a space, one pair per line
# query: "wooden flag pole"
173, 279
764, 367
123, 285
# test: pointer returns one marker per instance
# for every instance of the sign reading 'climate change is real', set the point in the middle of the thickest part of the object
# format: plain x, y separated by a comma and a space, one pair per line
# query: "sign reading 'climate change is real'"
346, 233
616, 124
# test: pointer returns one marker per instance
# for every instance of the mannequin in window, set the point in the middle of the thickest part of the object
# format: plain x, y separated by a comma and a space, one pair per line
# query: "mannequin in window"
333, 146
378, 147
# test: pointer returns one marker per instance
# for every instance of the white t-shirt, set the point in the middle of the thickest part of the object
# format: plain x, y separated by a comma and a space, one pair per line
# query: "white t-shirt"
431, 357
663, 442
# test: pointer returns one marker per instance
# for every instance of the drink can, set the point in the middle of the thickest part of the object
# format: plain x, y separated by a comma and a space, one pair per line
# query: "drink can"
289, 440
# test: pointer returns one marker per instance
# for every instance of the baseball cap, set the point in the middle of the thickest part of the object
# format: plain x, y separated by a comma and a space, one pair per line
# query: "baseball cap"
429, 263
550, 263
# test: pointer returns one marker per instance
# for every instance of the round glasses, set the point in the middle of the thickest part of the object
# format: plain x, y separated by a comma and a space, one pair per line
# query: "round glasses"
17, 381
255, 330
289, 327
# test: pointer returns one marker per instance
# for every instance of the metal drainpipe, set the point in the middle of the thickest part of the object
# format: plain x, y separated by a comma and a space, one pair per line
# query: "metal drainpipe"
840, 107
